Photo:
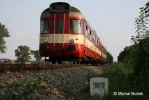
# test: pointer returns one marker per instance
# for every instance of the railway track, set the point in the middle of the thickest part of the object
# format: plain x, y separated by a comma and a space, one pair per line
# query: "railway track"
22, 67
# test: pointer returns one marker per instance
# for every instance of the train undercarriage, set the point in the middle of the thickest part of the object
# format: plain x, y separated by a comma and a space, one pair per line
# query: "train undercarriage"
69, 53
74, 60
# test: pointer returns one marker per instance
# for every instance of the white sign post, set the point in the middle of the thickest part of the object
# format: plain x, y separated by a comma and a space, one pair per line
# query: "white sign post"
98, 86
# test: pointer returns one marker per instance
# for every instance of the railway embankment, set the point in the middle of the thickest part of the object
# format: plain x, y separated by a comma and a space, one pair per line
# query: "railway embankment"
54, 84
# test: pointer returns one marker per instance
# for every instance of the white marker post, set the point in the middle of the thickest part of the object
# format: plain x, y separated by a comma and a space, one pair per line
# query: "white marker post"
98, 86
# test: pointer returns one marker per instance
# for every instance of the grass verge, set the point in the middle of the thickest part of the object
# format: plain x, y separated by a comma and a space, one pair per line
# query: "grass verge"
120, 82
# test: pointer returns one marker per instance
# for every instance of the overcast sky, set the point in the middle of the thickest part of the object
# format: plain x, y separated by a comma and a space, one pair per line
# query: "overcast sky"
113, 20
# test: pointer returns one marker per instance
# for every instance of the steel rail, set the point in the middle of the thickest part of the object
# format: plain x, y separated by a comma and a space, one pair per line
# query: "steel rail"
22, 67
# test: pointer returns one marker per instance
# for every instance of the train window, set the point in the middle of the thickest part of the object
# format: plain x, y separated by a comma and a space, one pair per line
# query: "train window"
86, 32
90, 32
75, 26
44, 26
59, 25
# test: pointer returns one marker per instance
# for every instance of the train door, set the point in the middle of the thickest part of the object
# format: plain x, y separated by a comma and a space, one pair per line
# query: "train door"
58, 35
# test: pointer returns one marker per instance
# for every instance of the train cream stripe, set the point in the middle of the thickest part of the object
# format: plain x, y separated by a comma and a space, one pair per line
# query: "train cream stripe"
78, 38
103, 55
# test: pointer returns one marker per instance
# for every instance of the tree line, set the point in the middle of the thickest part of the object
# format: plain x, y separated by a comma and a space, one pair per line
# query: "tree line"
23, 54
137, 55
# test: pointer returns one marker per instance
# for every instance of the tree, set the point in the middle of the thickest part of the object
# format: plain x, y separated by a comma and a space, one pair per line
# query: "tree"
140, 52
141, 24
109, 58
3, 34
23, 54
123, 54
36, 55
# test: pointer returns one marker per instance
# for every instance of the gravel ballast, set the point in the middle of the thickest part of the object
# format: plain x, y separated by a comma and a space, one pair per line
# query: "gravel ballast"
59, 83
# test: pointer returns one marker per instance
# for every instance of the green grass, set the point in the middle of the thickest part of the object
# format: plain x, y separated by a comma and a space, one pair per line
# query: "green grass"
28, 87
119, 81
68, 92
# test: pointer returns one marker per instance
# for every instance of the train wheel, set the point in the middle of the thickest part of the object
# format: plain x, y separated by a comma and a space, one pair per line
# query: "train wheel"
59, 61
94, 62
53, 61
78, 61
101, 62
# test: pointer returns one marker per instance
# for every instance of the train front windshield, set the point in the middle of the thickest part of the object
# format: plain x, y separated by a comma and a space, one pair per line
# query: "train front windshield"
44, 26
75, 26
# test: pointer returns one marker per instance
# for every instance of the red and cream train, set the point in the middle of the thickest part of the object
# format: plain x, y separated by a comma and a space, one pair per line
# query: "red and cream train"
66, 35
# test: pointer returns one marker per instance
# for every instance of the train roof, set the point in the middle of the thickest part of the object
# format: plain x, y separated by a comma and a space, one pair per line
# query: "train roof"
73, 9
72, 12
62, 7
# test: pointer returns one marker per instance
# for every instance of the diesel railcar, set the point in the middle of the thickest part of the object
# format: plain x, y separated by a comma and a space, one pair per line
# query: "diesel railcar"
65, 35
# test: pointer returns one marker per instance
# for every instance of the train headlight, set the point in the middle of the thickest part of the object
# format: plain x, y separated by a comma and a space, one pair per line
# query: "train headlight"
45, 40
72, 41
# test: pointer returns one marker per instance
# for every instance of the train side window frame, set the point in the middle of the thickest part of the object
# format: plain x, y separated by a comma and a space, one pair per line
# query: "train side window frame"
44, 25
91, 35
87, 32
75, 27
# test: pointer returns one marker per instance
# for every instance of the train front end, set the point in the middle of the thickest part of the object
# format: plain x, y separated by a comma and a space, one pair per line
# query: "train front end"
61, 33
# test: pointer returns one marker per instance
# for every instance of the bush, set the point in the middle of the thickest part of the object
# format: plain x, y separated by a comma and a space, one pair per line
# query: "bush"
119, 81
21, 90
